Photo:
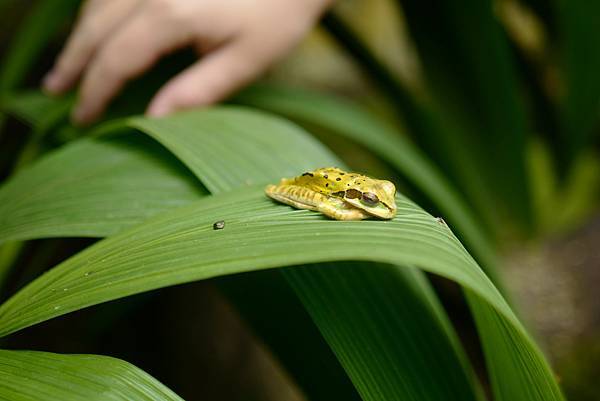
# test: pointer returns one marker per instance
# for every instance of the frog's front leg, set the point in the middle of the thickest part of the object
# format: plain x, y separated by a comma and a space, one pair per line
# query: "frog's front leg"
339, 210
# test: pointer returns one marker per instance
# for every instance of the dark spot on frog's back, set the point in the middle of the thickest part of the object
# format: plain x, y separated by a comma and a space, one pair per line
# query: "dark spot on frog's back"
353, 194
327, 184
338, 179
340, 194
342, 173
325, 176
308, 174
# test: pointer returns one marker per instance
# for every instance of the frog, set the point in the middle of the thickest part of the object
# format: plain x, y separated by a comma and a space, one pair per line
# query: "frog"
337, 194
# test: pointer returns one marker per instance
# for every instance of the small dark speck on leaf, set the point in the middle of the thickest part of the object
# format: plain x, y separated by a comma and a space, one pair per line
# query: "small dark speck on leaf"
219, 225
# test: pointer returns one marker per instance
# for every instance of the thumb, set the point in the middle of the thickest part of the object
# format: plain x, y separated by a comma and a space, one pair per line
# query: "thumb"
208, 81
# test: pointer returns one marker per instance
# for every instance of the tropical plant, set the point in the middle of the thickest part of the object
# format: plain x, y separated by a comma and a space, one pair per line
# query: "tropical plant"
151, 189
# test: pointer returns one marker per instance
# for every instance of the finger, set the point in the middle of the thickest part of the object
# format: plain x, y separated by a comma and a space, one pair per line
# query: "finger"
209, 80
94, 26
128, 53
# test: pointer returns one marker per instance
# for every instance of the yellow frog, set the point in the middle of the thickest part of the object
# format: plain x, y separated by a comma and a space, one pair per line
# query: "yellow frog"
337, 194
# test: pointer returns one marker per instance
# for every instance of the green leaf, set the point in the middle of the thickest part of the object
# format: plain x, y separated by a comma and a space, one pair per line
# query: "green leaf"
237, 147
252, 223
28, 375
164, 251
348, 120
102, 185
181, 246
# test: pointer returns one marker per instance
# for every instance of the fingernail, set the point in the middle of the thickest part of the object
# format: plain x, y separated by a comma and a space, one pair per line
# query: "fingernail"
51, 83
158, 110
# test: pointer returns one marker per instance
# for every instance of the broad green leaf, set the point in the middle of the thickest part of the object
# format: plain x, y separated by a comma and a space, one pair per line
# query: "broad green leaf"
258, 234
348, 120
469, 71
236, 147
93, 187
29, 375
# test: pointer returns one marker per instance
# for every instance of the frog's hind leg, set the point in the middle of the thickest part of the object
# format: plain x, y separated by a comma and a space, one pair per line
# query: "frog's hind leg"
303, 198
340, 210
295, 195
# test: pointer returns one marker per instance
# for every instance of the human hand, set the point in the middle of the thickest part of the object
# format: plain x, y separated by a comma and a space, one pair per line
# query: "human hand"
117, 40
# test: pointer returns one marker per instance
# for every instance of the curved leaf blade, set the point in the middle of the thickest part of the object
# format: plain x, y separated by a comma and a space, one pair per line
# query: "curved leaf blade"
80, 181
164, 251
268, 235
237, 146
32, 375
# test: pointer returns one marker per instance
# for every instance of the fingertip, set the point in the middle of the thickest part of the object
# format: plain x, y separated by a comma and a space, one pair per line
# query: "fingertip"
82, 116
52, 84
158, 108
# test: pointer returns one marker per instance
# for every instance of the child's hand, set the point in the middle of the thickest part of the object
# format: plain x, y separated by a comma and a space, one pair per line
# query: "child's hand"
116, 40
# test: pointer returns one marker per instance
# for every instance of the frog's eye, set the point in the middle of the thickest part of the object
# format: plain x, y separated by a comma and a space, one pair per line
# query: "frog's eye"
370, 198
353, 194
